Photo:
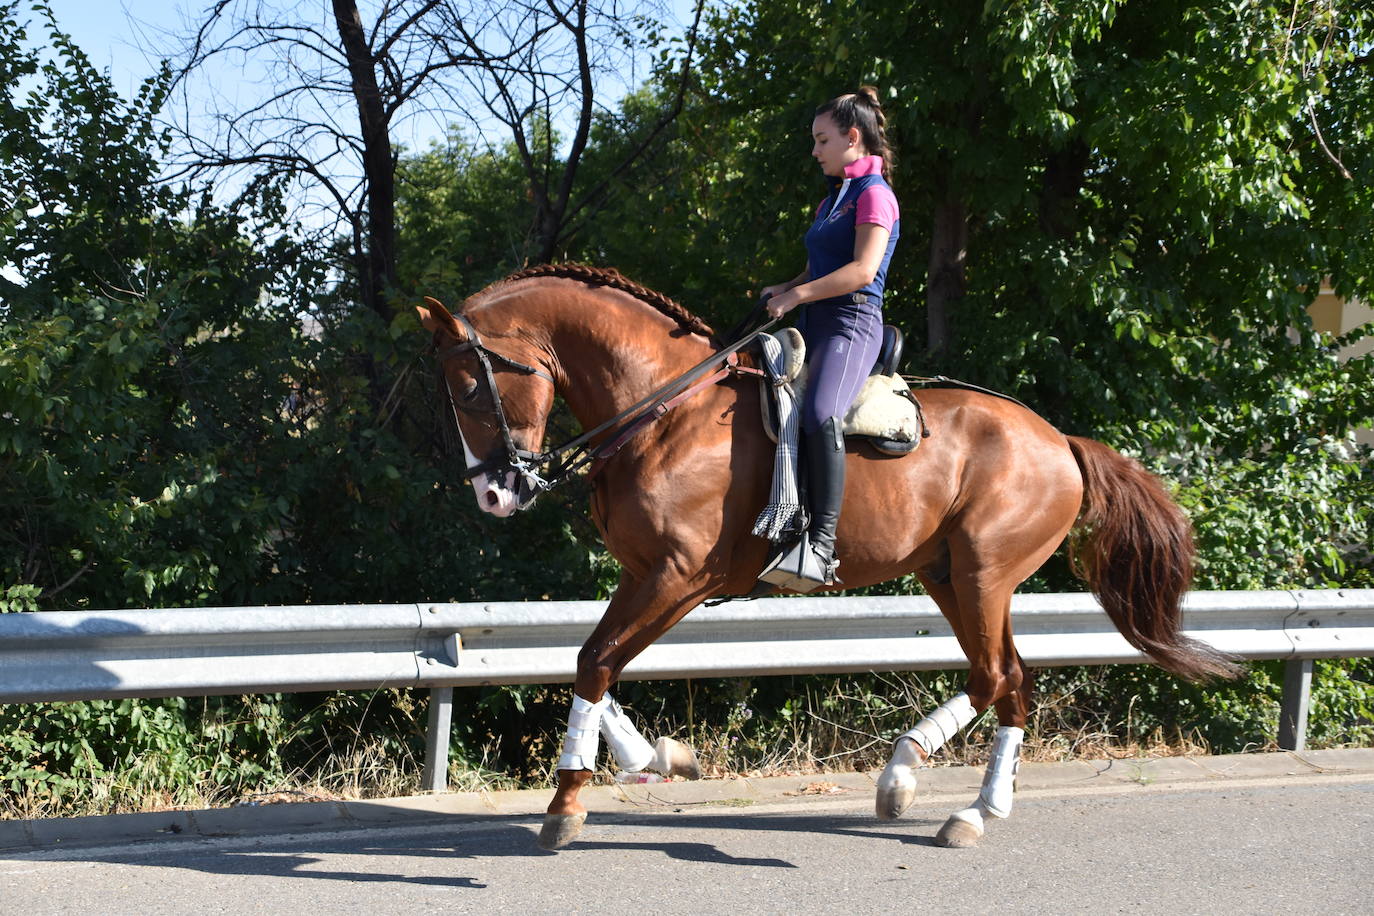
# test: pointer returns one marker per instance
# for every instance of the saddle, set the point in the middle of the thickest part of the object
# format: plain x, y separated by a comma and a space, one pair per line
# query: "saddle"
886, 414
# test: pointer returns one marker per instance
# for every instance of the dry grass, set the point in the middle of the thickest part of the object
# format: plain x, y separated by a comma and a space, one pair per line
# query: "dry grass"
365, 771
839, 731
834, 728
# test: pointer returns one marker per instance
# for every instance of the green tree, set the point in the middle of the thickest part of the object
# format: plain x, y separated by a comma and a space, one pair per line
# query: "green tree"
185, 420
1117, 212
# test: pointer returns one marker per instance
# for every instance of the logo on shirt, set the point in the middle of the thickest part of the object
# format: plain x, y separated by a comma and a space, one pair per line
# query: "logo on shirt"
846, 207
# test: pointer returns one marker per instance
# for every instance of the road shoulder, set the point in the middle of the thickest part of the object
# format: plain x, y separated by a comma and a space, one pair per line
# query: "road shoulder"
1087, 777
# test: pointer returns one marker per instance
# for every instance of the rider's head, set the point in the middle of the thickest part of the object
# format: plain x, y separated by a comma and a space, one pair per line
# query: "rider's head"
849, 127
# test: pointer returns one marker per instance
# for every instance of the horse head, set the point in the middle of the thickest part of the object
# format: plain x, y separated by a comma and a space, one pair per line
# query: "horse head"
500, 400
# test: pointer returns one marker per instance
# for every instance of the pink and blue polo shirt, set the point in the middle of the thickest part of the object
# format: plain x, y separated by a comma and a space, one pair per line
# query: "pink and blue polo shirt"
862, 196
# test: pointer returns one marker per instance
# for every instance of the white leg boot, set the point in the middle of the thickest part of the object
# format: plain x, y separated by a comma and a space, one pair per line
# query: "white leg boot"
897, 784
966, 826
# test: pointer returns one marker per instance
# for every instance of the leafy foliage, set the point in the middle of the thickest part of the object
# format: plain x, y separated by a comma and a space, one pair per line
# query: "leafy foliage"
192, 415
195, 409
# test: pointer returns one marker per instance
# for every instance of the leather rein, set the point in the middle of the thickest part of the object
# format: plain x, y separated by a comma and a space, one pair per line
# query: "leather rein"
565, 460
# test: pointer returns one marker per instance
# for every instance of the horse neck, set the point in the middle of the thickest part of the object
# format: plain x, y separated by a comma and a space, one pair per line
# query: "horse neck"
615, 351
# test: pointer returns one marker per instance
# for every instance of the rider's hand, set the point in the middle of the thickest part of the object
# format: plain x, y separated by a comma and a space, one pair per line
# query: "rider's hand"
781, 302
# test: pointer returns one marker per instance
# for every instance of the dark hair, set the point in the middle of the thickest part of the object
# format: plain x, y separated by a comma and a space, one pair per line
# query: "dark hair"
862, 109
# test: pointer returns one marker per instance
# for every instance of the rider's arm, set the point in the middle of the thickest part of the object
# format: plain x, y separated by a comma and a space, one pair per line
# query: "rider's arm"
870, 243
783, 287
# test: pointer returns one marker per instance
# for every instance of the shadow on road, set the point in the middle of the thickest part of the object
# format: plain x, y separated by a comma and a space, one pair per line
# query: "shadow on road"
437, 846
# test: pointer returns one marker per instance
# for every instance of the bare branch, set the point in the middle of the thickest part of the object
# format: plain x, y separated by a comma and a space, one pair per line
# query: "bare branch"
1321, 141
598, 192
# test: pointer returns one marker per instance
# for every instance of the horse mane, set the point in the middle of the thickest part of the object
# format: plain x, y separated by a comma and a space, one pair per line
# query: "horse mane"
609, 276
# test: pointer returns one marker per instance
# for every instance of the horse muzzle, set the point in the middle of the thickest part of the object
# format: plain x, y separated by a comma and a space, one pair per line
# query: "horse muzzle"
503, 493
496, 493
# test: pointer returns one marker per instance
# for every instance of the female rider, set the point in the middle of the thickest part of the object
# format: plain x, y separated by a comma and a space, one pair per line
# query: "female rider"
848, 248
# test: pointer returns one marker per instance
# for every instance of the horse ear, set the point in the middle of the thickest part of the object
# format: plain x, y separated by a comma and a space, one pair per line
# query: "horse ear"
436, 317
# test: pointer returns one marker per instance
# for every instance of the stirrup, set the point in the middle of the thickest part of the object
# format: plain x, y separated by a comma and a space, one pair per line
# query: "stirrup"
796, 567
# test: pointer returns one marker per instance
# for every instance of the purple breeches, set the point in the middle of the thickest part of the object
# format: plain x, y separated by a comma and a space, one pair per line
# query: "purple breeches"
843, 338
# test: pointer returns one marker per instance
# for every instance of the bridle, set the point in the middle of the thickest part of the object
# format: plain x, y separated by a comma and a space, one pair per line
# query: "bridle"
565, 460
523, 462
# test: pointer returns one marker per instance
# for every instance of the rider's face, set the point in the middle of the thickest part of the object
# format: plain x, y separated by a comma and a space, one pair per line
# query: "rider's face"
834, 148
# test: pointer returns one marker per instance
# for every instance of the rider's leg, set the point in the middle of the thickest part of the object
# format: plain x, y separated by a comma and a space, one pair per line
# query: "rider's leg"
825, 458
843, 338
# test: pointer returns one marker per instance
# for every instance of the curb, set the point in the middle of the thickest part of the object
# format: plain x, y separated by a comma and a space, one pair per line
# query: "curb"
1034, 779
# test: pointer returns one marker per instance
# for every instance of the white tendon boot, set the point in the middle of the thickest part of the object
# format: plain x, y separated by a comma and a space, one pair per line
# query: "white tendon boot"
897, 785
583, 741
965, 827
580, 749
633, 752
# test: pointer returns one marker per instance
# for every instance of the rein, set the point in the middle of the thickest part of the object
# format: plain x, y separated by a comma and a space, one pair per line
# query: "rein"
566, 459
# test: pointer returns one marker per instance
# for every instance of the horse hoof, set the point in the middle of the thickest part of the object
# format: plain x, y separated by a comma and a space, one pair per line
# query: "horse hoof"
679, 759
896, 791
959, 834
560, 829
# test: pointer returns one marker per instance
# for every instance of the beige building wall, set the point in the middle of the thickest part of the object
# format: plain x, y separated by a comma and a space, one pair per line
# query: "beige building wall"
1337, 316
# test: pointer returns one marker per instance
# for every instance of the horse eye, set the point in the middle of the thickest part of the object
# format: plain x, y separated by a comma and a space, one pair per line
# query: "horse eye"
470, 390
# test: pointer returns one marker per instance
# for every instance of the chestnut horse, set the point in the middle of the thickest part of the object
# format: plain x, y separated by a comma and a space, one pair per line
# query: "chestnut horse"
973, 512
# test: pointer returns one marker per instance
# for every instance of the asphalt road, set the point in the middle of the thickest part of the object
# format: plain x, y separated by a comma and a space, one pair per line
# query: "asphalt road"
1255, 834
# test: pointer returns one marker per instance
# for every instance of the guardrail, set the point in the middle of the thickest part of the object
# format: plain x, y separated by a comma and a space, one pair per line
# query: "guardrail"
191, 652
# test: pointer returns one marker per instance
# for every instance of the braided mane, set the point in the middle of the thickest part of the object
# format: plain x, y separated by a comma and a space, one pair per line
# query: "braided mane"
609, 276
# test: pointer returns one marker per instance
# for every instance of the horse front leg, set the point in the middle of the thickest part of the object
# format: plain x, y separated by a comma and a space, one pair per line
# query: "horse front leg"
639, 613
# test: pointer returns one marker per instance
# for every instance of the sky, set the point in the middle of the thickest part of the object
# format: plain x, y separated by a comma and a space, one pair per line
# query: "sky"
103, 30
113, 33
126, 38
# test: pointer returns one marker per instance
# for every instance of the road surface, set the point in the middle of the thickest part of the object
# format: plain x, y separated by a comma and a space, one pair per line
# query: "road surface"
1272, 833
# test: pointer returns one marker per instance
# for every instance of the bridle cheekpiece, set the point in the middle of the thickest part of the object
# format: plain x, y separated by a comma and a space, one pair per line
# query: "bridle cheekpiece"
523, 462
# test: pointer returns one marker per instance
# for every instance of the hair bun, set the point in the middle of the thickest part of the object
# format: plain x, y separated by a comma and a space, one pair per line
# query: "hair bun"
869, 95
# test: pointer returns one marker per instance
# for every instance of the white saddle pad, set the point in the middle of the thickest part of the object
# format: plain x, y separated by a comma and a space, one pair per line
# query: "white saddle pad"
882, 410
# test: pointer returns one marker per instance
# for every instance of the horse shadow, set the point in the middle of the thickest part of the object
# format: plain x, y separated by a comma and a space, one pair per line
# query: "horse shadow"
447, 841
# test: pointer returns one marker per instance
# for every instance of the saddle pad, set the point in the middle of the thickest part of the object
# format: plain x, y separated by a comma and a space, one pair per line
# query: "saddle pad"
884, 412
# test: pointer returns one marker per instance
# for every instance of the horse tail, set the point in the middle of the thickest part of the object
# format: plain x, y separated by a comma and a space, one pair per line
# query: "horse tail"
1134, 547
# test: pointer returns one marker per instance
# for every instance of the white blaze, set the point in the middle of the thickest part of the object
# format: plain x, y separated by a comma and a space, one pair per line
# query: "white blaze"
493, 496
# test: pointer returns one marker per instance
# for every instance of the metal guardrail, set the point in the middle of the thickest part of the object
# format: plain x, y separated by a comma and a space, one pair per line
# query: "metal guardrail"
190, 652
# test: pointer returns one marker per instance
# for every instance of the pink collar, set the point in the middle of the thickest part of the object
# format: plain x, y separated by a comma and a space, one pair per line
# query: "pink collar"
868, 165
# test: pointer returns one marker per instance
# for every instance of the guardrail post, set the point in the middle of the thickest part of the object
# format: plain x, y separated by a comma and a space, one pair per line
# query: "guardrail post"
436, 739
1297, 691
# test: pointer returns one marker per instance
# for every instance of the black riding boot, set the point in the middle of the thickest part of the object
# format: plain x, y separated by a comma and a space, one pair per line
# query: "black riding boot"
825, 494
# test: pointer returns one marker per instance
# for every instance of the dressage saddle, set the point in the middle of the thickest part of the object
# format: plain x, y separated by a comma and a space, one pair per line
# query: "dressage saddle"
885, 414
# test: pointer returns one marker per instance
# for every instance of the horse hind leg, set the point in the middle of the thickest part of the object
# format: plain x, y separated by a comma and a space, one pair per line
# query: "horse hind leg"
966, 826
981, 620
897, 784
